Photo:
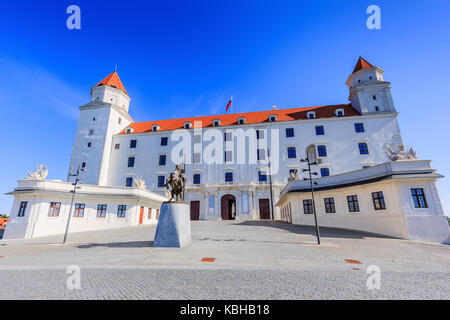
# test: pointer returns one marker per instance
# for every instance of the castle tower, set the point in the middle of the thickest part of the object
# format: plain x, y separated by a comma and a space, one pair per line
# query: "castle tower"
368, 92
106, 115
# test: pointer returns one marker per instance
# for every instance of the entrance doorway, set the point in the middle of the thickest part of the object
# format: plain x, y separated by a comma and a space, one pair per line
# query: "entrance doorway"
264, 209
228, 207
195, 210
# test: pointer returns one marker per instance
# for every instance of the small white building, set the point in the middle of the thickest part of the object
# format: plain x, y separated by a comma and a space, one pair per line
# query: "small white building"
398, 199
41, 208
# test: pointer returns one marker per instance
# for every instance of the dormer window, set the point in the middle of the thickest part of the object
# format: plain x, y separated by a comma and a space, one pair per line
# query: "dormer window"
155, 127
187, 125
216, 123
241, 121
129, 130
311, 115
272, 118
339, 113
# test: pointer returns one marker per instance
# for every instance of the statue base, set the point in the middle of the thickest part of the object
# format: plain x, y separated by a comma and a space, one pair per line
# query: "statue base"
174, 225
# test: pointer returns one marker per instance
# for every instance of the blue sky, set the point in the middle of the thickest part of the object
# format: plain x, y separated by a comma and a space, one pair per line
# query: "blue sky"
186, 58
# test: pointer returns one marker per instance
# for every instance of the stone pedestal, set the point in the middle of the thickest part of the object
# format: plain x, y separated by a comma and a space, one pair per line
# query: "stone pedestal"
174, 225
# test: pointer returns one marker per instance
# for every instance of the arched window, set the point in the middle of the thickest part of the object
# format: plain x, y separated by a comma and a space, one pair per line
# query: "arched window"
311, 115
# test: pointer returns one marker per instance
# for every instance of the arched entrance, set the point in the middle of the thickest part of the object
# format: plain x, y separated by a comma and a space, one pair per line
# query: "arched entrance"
228, 207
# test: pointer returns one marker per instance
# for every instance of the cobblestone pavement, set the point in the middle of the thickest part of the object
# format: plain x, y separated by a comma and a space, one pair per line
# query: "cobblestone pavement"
253, 260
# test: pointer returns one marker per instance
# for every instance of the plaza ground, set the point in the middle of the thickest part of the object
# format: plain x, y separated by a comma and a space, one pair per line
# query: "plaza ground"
253, 260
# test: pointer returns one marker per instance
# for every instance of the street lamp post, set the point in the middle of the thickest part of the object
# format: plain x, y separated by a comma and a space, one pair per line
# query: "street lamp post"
312, 192
75, 187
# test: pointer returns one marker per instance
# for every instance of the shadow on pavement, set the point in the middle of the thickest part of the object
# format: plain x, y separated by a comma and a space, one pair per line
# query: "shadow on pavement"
131, 244
311, 230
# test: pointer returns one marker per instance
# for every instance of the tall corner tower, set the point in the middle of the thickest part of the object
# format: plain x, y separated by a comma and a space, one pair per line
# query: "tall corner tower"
368, 92
100, 119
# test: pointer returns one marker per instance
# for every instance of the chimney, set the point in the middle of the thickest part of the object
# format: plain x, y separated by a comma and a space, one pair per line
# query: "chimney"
274, 107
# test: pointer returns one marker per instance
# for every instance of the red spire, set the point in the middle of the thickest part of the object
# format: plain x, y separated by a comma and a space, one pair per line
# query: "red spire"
113, 80
362, 64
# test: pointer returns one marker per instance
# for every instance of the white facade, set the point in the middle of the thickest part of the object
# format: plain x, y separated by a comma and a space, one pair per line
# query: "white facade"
37, 220
398, 217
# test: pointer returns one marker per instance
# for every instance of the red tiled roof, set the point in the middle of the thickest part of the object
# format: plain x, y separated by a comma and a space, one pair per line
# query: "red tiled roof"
362, 64
250, 118
113, 80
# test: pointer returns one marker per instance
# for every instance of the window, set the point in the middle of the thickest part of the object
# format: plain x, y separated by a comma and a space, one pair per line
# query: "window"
241, 121
197, 158
273, 118
79, 210
339, 112
228, 136
262, 176
374, 97
228, 156
91, 132
261, 155
289, 132
121, 211
311, 115
353, 205
307, 206
129, 182
378, 200
161, 181
187, 125
149, 213
23, 207
128, 130
216, 123
93, 119
320, 131
419, 198
259, 134
229, 177
324, 172
196, 178
133, 144
211, 202
131, 162
377, 108
101, 211
117, 146
359, 127
54, 209
120, 120
292, 154
155, 127
329, 205
89, 144
322, 151
164, 141
162, 160
83, 165
363, 149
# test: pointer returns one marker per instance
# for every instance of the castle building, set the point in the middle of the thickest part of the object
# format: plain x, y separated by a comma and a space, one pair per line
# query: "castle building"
237, 165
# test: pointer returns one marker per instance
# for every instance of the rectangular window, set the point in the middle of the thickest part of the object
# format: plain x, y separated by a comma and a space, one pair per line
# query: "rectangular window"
162, 160
121, 211
322, 151
324, 172
89, 144
262, 176
292, 154
129, 182
91, 132
353, 205
378, 200
228, 136
307, 206
228, 156
79, 210
101, 211
229, 177
131, 162
149, 213
244, 202
117, 146
133, 144
259, 134
161, 181
23, 207
83, 165
211, 202
419, 198
54, 209
359, 127
164, 141
329, 205
289, 132
196, 178
320, 131
261, 155
363, 149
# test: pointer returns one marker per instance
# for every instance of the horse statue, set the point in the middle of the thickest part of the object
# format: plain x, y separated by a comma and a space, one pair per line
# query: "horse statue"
176, 181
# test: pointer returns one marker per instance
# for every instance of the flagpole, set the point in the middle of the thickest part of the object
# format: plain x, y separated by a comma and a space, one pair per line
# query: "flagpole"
231, 104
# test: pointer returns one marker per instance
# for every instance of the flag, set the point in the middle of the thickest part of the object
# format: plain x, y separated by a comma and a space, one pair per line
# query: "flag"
229, 103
